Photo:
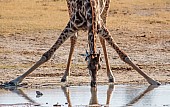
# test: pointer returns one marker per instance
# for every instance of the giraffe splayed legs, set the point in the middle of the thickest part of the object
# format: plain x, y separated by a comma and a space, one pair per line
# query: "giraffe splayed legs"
106, 5
103, 32
89, 15
69, 31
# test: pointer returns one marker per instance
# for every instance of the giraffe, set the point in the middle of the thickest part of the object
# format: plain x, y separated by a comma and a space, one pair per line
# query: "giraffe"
88, 15
94, 99
73, 39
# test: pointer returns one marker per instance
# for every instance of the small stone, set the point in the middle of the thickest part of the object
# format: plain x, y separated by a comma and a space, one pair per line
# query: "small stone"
143, 36
39, 93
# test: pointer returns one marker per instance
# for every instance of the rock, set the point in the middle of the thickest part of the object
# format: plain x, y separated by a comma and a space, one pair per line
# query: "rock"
39, 94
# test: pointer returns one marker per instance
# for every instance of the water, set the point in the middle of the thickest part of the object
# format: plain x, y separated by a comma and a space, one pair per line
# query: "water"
83, 96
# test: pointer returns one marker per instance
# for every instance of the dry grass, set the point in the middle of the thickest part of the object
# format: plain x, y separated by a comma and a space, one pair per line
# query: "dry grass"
17, 16
128, 13
32, 15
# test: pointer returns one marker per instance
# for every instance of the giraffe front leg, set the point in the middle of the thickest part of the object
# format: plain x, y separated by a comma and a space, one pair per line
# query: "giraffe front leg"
69, 31
93, 99
109, 93
109, 72
67, 95
106, 35
104, 15
67, 72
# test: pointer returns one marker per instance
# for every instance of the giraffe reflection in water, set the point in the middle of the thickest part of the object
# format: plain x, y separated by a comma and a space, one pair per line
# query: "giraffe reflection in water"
93, 101
21, 93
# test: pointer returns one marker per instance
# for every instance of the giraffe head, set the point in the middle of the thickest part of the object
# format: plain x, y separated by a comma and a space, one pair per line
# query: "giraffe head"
93, 64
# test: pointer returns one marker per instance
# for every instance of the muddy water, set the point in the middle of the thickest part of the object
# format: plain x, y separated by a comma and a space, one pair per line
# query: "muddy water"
80, 96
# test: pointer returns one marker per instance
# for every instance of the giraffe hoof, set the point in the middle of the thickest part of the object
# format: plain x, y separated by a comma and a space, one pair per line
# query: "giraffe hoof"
63, 80
158, 83
8, 85
93, 84
11, 83
153, 82
111, 80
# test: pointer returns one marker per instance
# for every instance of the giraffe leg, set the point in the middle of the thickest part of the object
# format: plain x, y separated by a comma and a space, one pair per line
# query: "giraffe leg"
69, 31
109, 93
67, 72
109, 72
103, 32
102, 41
67, 95
93, 99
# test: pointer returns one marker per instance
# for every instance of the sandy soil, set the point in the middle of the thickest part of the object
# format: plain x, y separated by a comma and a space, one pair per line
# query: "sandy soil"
143, 33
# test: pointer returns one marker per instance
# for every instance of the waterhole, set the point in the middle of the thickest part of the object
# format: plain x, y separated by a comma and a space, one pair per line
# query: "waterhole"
85, 96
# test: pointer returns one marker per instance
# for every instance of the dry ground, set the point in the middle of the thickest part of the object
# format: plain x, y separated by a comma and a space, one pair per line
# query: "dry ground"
30, 27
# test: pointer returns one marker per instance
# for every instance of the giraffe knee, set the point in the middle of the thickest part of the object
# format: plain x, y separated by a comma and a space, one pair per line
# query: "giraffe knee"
47, 56
125, 59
